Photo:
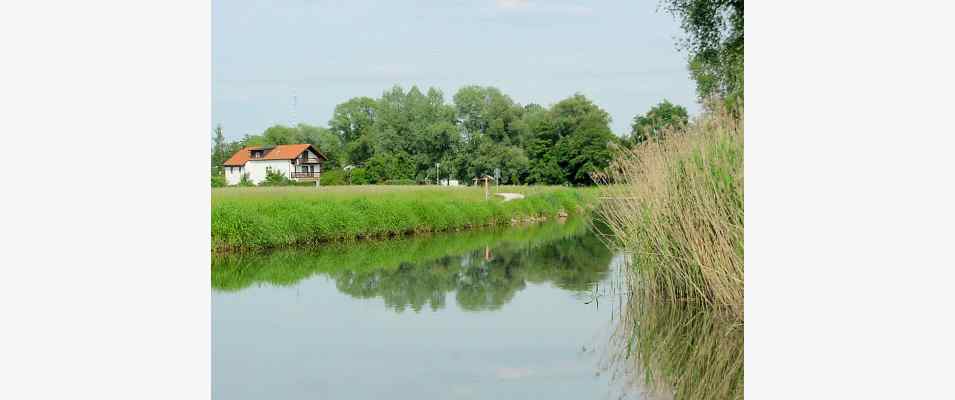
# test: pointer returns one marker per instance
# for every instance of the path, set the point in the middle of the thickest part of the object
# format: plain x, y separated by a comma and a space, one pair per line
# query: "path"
510, 196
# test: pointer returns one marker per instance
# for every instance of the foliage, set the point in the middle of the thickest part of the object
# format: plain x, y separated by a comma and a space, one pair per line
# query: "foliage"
218, 180
388, 166
333, 178
276, 178
271, 217
662, 118
358, 176
221, 150
714, 41
352, 123
245, 181
326, 142
571, 144
406, 134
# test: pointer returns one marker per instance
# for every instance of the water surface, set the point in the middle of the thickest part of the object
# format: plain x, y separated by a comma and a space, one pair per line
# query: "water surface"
494, 314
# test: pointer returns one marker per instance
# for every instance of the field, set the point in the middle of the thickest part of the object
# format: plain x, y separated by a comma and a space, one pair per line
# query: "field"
264, 217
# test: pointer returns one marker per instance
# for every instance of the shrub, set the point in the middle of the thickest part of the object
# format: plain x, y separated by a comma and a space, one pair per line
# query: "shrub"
333, 178
245, 181
358, 176
218, 181
276, 178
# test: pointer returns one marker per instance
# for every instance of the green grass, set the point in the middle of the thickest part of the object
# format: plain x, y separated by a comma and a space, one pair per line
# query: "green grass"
257, 218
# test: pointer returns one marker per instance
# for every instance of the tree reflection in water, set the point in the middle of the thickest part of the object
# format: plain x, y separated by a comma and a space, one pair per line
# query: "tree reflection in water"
483, 270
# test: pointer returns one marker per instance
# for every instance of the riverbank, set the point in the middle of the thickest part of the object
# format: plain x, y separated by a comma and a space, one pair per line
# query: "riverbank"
234, 271
260, 218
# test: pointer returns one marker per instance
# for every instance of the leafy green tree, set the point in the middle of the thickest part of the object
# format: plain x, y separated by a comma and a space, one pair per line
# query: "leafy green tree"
390, 166
281, 134
486, 111
219, 148
570, 143
327, 142
714, 41
656, 122
353, 123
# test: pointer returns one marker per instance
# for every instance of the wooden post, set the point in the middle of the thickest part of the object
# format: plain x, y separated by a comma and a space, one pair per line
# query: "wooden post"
486, 194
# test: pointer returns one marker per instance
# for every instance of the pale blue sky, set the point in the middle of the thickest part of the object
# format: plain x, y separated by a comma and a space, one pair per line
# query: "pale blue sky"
619, 53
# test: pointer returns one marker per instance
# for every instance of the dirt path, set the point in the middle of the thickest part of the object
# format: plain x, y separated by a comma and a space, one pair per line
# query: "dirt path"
510, 196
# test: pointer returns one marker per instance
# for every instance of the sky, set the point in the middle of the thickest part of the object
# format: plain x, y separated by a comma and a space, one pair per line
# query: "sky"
292, 61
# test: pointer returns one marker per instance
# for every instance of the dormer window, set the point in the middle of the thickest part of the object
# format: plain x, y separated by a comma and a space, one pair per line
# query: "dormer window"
257, 153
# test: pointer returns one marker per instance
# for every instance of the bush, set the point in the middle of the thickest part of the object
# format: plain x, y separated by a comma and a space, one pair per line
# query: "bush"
276, 178
359, 176
218, 181
333, 178
245, 181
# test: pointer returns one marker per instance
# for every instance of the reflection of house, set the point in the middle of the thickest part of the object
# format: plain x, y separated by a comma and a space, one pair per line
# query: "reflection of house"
300, 162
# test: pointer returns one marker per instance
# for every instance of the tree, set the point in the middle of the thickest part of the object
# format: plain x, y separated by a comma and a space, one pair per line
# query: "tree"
570, 143
714, 41
219, 149
352, 122
327, 142
655, 123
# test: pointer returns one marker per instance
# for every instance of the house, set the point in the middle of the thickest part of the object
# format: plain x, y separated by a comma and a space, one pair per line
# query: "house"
299, 162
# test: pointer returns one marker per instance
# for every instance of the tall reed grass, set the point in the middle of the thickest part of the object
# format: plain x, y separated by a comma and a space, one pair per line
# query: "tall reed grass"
677, 207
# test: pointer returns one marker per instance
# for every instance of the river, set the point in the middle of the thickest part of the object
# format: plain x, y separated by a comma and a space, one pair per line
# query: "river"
513, 313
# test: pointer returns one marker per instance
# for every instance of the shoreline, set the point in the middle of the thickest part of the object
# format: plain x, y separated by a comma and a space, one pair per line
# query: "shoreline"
264, 222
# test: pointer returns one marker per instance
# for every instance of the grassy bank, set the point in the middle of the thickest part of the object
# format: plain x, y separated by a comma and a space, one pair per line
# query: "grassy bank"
677, 207
256, 218
284, 267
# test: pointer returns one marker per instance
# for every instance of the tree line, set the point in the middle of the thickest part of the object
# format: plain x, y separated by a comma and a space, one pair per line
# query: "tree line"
405, 134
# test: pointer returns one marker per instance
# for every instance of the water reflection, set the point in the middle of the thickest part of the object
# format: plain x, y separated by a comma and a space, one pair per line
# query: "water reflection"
483, 270
680, 351
491, 314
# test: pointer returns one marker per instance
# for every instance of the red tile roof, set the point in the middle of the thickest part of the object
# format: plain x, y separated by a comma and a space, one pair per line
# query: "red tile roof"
280, 152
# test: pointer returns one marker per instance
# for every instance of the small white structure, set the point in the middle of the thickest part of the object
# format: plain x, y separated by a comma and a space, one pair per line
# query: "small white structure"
299, 162
450, 182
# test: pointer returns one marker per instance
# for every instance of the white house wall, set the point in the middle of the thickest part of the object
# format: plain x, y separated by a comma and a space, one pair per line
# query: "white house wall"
257, 168
233, 175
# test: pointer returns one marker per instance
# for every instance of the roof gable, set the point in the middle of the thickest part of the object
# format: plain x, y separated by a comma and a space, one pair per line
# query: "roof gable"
280, 152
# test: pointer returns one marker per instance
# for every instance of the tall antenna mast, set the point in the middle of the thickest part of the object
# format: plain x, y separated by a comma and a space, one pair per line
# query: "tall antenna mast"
294, 106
